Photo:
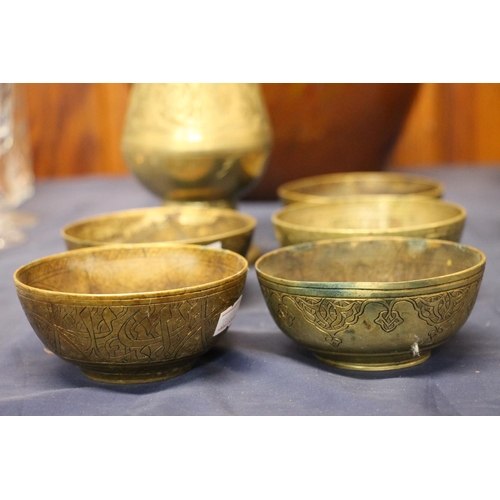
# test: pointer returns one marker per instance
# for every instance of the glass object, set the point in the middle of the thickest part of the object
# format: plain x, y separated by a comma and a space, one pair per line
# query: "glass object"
201, 143
16, 168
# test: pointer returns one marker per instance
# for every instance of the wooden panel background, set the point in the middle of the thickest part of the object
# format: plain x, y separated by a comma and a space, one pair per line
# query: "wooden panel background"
76, 128
451, 124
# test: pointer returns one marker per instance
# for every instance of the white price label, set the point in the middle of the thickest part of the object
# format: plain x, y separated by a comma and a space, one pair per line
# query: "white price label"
215, 244
227, 317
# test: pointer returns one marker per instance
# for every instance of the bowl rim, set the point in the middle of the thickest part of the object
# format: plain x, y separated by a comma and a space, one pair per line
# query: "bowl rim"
250, 224
382, 286
140, 248
287, 191
369, 199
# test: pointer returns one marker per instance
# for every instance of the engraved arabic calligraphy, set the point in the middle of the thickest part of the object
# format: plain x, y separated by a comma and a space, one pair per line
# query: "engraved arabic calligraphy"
132, 333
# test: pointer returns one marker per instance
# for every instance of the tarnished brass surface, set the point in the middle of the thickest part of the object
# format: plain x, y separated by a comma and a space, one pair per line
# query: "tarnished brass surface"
197, 142
324, 188
132, 313
376, 215
231, 229
371, 303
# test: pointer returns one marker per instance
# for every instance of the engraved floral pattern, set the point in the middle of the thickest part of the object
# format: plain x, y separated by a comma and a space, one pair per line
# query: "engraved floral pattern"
439, 309
335, 316
389, 318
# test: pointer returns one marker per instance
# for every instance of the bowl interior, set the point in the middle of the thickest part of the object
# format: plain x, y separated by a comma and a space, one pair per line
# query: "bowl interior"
374, 213
358, 183
368, 260
363, 186
160, 224
122, 269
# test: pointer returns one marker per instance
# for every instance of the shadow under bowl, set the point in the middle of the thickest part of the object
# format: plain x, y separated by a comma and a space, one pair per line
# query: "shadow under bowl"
380, 303
132, 313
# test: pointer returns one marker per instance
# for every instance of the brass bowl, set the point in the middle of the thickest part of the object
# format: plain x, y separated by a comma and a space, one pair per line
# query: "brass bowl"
369, 216
226, 227
325, 188
132, 313
371, 303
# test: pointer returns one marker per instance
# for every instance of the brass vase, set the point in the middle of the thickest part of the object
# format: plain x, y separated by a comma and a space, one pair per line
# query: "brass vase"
202, 143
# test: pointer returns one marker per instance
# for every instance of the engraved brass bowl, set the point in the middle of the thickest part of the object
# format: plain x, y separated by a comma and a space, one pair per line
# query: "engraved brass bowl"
328, 187
226, 227
132, 313
369, 216
372, 304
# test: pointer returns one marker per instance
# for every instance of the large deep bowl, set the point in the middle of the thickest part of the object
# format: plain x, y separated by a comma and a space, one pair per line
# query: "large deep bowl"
324, 188
369, 216
132, 313
371, 303
226, 227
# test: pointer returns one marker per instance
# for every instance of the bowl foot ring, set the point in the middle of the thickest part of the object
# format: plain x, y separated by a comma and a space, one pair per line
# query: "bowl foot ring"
139, 376
373, 366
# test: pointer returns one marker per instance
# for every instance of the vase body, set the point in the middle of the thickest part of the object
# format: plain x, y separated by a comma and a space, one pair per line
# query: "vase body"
197, 142
323, 128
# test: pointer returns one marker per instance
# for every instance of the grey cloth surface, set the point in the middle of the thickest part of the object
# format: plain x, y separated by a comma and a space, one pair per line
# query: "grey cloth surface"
255, 369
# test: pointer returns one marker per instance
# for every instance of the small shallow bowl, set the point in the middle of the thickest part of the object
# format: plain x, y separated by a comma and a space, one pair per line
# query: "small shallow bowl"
371, 303
324, 188
226, 227
132, 313
369, 216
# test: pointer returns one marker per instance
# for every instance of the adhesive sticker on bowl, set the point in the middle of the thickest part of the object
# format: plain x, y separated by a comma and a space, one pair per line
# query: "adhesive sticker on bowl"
215, 244
227, 317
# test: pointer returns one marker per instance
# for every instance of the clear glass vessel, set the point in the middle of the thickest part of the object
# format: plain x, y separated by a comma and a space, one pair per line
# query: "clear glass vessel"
16, 168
